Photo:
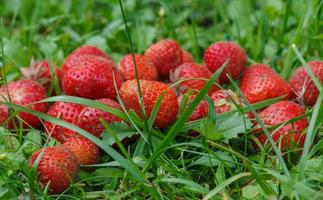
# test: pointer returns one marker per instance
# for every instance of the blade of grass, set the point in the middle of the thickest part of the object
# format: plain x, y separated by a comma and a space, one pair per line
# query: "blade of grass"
189, 183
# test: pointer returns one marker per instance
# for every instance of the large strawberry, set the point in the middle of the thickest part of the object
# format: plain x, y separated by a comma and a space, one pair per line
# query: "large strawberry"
188, 71
216, 54
89, 118
25, 93
166, 55
68, 112
151, 91
85, 151
224, 100
259, 82
57, 167
145, 67
302, 84
291, 134
91, 77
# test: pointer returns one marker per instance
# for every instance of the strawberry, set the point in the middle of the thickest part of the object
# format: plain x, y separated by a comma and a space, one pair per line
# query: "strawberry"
222, 100
216, 54
200, 111
91, 77
85, 151
25, 93
57, 167
145, 67
290, 134
166, 55
4, 112
191, 71
151, 91
259, 82
187, 57
68, 112
81, 51
302, 84
38, 71
89, 118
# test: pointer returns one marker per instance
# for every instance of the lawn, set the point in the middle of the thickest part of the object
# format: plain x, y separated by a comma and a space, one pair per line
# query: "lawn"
218, 156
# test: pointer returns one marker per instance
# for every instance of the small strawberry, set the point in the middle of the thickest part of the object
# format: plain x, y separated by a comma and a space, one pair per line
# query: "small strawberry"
68, 112
38, 71
91, 77
85, 151
166, 55
89, 118
25, 93
201, 111
81, 51
187, 57
191, 71
302, 84
145, 67
223, 100
151, 91
216, 54
290, 134
57, 167
259, 82
4, 113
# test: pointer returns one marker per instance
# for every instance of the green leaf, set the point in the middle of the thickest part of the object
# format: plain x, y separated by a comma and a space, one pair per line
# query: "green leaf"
123, 131
214, 160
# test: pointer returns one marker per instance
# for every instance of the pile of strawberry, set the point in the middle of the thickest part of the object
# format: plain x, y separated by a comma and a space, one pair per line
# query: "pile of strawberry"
90, 73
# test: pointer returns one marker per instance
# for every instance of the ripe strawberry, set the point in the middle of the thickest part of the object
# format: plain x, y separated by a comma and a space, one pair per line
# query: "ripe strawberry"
25, 93
3, 113
89, 118
68, 112
57, 167
151, 90
85, 151
189, 71
91, 77
259, 82
38, 71
200, 111
291, 133
303, 86
222, 100
145, 67
216, 54
166, 55
81, 51
187, 57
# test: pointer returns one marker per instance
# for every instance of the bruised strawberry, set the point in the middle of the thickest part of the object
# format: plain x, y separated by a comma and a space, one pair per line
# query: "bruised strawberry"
224, 101
85, 151
259, 82
145, 68
57, 167
151, 91
25, 93
89, 118
166, 56
290, 134
38, 71
191, 71
302, 84
91, 77
68, 112
216, 55
187, 57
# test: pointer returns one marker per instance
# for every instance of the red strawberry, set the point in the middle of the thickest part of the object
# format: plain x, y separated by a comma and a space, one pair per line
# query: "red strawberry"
3, 113
222, 100
151, 90
259, 82
57, 167
216, 54
145, 67
89, 118
166, 55
25, 93
291, 133
91, 77
68, 112
81, 51
187, 57
38, 71
302, 84
200, 111
191, 71
85, 151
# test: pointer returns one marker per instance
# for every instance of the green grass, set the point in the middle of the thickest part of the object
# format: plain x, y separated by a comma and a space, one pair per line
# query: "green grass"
167, 164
